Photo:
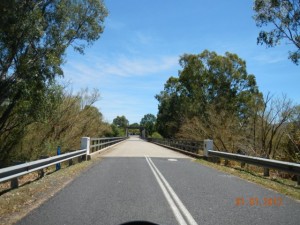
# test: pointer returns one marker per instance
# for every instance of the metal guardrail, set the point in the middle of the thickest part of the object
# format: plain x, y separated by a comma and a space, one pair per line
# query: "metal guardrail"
12, 172
289, 167
186, 145
97, 144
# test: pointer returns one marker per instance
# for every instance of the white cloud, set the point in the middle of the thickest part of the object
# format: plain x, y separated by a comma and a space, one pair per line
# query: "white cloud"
118, 104
269, 58
144, 38
127, 84
114, 24
127, 67
121, 66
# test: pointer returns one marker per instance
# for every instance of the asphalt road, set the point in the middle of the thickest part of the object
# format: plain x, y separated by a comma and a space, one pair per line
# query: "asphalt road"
162, 187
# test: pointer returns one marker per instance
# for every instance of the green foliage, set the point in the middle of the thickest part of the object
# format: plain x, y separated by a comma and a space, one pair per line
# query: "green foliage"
134, 125
214, 97
284, 18
156, 135
149, 121
121, 122
117, 132
24, 114
34, 36
207, 82
170, 107
63, 120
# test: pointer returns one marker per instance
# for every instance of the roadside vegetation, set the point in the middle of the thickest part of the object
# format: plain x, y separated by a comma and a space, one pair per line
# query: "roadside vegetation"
214, 97
62, 121
36, 113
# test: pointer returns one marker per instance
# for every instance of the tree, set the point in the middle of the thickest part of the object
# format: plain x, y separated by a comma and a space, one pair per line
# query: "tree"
121, 122
134, 125
212, 79
272, 122
34, 36
292, 144
61, 120
284, 17
273, 117
208, 84
170, 108
23, 114
149, 121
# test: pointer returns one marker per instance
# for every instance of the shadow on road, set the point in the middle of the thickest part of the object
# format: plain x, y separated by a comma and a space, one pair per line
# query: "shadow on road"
139, 223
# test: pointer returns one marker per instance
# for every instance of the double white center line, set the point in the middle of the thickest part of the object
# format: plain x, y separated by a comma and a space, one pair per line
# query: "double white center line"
182, 215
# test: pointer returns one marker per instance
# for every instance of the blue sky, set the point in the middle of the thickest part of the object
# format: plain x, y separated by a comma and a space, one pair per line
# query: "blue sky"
143, 40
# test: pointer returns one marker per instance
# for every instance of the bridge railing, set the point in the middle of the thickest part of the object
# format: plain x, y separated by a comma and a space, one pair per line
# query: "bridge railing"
89, 146
189, 146
98, 144
207, 147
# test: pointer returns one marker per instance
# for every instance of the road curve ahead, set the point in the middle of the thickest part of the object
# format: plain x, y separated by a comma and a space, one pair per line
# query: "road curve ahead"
139, 181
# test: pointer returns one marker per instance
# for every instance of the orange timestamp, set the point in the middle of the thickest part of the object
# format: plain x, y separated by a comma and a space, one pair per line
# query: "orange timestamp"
255, 201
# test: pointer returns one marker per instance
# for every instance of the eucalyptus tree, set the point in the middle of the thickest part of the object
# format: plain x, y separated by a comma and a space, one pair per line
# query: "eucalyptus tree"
34, 37
282, 17
149, 122
121, 122
207, 86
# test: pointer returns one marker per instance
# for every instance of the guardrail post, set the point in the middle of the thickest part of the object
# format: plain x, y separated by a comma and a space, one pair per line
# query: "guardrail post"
70, 162
14, 183
85, 144
266, 169
208, 145
58, 153
241, 152
41, 172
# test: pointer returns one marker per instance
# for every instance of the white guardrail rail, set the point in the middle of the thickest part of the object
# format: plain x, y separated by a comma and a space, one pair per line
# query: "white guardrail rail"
12, 172
289, 167
98, 144
293, 168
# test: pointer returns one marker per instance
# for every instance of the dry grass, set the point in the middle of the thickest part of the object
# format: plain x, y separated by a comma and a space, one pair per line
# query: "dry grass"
281, 185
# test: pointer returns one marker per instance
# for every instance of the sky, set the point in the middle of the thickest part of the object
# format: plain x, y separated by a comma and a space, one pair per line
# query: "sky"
143, 40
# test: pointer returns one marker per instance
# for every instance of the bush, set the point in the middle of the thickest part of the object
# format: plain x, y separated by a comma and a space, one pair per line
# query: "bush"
156, 135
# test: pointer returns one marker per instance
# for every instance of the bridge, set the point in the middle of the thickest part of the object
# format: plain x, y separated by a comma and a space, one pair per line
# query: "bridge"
138, 182
142, 130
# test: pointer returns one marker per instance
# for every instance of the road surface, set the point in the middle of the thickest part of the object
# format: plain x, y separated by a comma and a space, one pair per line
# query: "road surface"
139, 181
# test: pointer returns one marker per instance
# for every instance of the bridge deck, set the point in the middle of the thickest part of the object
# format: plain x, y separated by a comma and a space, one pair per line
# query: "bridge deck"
136, 147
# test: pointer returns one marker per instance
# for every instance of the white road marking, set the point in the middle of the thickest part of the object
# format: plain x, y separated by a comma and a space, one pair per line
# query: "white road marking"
178, 209
172, 204
173, 160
